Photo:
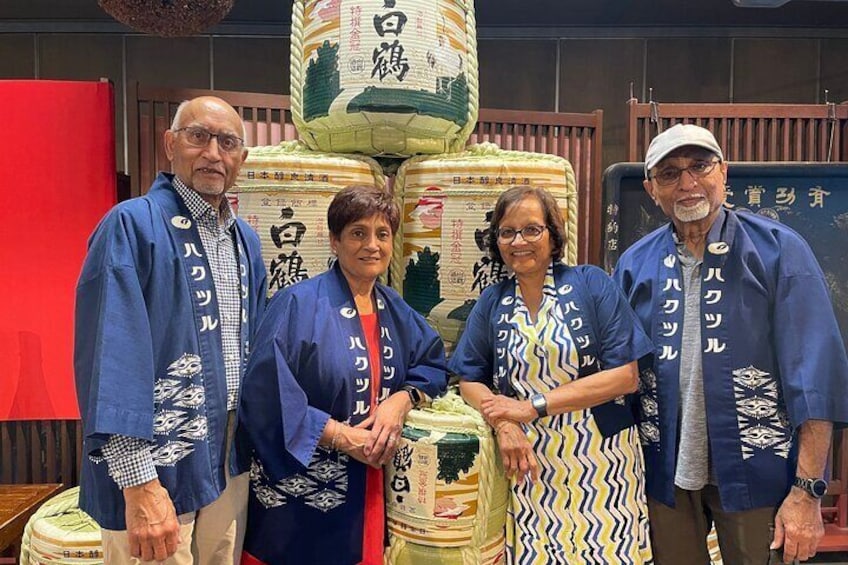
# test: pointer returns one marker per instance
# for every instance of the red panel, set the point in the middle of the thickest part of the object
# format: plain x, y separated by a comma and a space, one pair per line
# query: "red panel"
58, 171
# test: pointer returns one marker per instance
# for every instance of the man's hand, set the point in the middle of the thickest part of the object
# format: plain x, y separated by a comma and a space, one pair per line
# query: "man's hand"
798, 526
153, 530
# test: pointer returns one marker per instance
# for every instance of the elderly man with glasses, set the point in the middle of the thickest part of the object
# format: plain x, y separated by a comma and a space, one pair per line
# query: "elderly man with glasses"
167, 303
749, 370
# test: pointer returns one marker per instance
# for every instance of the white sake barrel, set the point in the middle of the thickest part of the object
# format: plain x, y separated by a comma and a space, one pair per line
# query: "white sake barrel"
59, 533
283, 192
382, 77
440, 263
446, 492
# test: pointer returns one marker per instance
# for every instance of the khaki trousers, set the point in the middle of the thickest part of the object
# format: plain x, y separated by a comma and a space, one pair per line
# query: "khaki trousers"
213, 535
679, 534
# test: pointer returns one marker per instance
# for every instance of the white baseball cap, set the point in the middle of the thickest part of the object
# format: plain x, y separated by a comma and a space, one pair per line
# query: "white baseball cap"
679, 135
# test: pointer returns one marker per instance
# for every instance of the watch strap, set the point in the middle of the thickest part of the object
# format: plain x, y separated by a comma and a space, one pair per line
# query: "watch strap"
414, 395
815, 487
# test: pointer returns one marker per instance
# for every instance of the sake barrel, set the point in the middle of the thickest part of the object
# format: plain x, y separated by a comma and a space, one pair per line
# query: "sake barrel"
283, 192
446, 492
440, 263
378, 77
60, 533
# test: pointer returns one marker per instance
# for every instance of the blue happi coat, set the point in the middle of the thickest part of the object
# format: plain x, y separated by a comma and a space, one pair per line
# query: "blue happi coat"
773, 356
601, 324
309, 364
148, 358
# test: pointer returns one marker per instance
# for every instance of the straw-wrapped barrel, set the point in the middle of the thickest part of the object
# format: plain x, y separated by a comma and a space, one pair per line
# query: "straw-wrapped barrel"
440, 263
283, 192
59, 533
391, 78
446, 492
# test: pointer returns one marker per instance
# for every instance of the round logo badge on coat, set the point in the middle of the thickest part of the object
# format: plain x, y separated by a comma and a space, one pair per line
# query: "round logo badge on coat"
348, 313
718, 248
181, 222
565, 289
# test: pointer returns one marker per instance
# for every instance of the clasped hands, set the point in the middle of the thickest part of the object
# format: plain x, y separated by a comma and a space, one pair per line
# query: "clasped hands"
375, 440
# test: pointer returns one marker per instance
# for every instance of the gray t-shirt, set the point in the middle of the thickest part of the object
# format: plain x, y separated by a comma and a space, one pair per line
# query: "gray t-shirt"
693, 460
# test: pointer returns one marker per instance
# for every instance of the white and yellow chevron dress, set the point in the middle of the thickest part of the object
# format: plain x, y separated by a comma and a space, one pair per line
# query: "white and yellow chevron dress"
589, 504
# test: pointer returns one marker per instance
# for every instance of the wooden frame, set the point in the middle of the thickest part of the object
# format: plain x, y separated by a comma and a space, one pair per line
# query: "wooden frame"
749, 132
577, 137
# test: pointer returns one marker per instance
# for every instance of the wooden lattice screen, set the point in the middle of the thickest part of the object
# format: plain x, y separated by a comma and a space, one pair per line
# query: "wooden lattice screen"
45, 451
749, 132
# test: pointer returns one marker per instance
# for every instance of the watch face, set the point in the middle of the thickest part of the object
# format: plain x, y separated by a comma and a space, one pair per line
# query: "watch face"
414, 395
818, 488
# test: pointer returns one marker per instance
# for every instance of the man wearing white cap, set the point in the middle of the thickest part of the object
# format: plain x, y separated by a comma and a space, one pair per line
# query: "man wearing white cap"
749, 369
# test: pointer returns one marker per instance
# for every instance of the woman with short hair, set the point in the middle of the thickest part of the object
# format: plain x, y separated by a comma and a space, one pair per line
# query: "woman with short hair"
339, 361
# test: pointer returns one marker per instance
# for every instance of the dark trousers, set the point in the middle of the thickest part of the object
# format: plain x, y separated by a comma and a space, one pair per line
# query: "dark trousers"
679, 534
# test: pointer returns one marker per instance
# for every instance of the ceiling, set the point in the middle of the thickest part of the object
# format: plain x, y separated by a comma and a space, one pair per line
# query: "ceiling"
672, 16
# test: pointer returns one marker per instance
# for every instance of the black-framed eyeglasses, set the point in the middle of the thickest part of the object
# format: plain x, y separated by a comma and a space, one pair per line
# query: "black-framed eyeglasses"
670, 175
200, 137
529, 233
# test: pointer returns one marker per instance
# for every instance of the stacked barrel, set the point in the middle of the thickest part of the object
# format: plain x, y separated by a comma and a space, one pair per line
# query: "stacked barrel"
396, 82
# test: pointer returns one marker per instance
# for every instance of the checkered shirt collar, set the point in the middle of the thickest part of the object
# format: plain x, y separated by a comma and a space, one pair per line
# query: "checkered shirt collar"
200, 208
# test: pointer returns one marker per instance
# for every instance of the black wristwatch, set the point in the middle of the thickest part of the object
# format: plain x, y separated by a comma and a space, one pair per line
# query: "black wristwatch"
814, 487
414, 395
540, 403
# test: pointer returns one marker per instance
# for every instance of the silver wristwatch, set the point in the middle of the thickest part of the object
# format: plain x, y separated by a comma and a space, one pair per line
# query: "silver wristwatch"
816, 488
540, 404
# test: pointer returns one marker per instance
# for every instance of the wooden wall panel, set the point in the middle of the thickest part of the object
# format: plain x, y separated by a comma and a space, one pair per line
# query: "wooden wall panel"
596, 73
17, 56
689, 69
87, 57
775, 70
834, 69
517, 74
181, 62
252, 64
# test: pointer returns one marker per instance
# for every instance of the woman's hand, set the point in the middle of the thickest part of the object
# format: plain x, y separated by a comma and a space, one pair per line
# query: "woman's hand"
388, 424
517, 454
352, 440
499, 407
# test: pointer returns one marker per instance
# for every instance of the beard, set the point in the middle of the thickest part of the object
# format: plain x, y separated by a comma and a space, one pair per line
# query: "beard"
692, 213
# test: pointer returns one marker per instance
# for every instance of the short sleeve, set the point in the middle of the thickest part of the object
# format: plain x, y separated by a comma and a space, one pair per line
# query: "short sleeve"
472, 359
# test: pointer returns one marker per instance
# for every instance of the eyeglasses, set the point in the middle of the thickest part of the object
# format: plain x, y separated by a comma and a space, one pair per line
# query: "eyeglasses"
200, 137
529, 233
670, 175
